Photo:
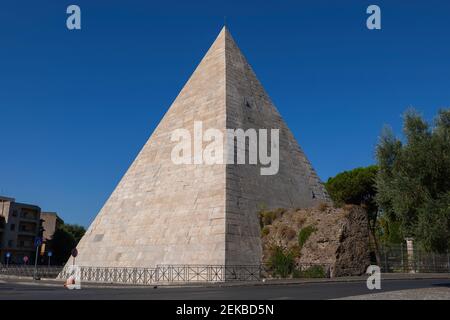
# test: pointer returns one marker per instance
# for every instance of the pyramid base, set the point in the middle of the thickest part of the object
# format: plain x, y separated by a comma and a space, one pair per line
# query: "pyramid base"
164, 274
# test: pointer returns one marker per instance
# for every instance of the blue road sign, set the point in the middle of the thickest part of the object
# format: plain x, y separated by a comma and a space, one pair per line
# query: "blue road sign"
8, 254
37, 241
50, 253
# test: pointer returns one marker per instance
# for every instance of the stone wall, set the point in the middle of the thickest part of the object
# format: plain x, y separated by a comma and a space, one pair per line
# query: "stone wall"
339, 240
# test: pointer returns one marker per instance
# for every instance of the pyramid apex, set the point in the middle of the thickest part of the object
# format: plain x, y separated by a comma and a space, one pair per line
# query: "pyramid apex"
223, 37
224, 30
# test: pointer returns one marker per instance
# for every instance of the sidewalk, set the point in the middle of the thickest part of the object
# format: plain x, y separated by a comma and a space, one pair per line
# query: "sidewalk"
59, 282
411, 294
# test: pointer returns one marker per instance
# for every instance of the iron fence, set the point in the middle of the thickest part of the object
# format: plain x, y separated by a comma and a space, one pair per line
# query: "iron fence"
167, 274
143, 276
393, 259
396, 258
180, 274
29, 271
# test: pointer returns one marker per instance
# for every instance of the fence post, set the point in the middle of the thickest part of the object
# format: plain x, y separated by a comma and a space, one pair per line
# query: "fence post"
401, 252
448, 261
385, 262
434, 262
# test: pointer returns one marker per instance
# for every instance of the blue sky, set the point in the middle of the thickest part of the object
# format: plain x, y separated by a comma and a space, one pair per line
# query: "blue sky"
77, 106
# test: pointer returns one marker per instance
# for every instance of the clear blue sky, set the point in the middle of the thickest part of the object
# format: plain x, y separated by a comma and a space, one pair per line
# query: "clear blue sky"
76, 107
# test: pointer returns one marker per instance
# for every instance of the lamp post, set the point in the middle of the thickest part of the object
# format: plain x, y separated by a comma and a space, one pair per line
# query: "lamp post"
37, 243
8, 255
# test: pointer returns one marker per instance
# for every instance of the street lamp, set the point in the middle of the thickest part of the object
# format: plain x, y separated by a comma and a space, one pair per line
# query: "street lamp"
37, 243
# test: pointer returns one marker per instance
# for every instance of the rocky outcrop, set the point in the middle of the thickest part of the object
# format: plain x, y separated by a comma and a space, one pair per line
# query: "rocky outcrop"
335, 238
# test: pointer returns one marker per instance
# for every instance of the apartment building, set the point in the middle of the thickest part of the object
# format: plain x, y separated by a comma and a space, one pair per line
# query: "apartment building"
50, 222
20, 225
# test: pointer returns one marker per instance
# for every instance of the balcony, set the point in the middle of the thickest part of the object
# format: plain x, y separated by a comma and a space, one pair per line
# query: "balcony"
29, 218
25, 242
27, 229
27, 232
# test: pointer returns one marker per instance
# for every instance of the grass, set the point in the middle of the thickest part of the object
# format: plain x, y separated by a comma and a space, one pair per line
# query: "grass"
267, 217
304, 235
282, 262
265, 231
311, 272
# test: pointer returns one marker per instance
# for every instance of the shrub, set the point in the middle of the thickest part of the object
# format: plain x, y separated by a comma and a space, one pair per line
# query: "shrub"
299, 220
287, 232
304, 235
267, 217
323, 206
281, 262
265, 231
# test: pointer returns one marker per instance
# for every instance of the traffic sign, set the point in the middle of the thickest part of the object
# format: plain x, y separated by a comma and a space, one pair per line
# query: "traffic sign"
38, 241
74, 252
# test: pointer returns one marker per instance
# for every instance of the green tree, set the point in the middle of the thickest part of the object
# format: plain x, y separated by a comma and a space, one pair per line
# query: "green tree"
76, 230
65, 238
357, 186
413, 181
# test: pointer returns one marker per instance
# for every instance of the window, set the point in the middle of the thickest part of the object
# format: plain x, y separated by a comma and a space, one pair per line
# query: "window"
12, 227
14, 214
10, 243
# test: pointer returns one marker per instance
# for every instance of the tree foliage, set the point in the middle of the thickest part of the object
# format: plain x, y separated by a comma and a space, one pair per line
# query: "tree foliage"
355, 187
65, 238
413, 180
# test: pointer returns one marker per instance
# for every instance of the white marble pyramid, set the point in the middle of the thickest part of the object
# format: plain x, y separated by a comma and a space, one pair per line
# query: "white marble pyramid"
196, 214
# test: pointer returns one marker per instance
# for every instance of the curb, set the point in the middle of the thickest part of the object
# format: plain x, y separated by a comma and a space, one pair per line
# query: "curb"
20, 280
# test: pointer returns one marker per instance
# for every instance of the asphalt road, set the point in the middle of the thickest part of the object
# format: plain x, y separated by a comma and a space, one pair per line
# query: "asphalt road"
12, 290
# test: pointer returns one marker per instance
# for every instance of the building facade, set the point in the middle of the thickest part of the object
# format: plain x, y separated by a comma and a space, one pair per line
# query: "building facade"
50, 222
20, 225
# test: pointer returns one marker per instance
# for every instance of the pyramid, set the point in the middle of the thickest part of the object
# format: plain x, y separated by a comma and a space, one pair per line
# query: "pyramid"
163, 213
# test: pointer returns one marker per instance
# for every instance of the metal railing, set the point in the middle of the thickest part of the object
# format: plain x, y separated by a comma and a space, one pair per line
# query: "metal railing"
395, 258
28, 271
167, 274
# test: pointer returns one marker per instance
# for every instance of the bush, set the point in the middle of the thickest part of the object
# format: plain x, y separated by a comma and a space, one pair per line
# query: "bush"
265, 231
304, 235
287, 232
323, 206
267, 217
281, 262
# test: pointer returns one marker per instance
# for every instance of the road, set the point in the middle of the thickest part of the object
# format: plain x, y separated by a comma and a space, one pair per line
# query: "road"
10, 290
